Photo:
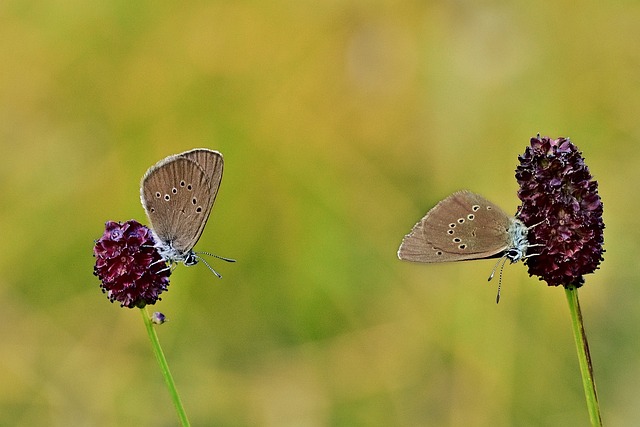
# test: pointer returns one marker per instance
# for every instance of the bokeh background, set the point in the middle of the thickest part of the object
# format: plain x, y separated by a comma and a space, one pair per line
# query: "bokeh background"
341, 122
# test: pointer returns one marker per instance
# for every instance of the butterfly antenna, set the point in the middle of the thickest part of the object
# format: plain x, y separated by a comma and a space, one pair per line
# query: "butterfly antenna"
495, 267
500, 281
208, 266
503, 260
216, 256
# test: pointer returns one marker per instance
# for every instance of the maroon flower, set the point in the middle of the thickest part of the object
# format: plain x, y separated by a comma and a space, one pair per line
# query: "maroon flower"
129, 266
560, 200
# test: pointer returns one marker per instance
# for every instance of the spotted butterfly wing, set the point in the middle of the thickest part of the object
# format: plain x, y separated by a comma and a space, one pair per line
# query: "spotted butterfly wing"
463, 226
211, 163
177, 194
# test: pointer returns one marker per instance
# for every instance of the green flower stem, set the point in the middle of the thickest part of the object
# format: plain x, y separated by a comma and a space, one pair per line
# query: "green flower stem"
584, 358
157, 350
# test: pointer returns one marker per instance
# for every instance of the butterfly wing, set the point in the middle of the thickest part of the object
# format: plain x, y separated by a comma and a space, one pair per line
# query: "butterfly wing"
461, 227
178, 193
211, 163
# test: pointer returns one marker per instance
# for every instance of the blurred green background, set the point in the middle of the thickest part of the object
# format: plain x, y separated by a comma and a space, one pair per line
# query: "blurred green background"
341, 123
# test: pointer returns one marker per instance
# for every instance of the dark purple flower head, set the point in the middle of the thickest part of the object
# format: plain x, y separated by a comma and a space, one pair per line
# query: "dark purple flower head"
560, 200
129, 266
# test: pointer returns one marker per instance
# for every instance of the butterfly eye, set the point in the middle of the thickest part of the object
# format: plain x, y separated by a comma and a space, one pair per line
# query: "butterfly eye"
174, 190
462, 246
471, 217
475, 208
158, 195
452, 225
457, 240
182, 183
450, 231
167, 197
461, 221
